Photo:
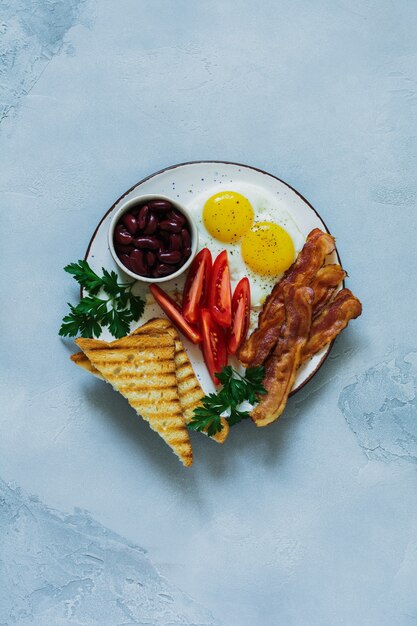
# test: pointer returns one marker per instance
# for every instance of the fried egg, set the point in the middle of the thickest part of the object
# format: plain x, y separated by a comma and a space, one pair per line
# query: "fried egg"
260, 236
268, 249
227, 216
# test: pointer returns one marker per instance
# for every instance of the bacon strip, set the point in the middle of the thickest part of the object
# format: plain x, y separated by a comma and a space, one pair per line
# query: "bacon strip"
281, 367
318, 245
331, 321
262, 341
324, 285
310, 259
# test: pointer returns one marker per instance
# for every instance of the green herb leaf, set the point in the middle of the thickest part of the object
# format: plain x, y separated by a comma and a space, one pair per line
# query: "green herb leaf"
210, 423
85, 276
225, 375
236, 390
119, 323
237, 416
70, 324
77, 322
255, 376
93, 313
137, 306
110, 284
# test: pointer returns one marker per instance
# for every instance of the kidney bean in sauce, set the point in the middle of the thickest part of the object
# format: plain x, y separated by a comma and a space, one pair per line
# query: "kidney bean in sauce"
151, 226
143, 217
175, 241
122, 235
162, 270
129, 220
153, 239
150, 258
176, 216
164, 237
186, 238
123, 249
172, 258
146, 243
125, 259
138, 263
170, 226
160, 205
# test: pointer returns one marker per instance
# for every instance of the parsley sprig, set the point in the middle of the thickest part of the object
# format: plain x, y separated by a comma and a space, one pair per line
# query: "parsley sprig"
236, 390
93, 313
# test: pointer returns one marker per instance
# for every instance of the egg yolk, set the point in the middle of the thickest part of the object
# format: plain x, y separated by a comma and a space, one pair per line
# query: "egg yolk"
268, 249
228, 216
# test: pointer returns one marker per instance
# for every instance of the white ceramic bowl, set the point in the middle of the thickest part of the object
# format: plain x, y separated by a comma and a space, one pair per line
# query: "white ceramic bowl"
140, 200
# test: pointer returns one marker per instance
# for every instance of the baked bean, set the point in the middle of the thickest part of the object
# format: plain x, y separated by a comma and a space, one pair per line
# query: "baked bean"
147, 243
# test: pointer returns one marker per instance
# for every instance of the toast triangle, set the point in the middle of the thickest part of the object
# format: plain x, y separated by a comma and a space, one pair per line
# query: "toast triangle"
189, 389
142, 368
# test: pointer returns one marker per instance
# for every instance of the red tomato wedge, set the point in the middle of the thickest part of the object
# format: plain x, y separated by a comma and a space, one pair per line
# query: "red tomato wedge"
220, 295
214, 344
196, 286
240, 316
173, 311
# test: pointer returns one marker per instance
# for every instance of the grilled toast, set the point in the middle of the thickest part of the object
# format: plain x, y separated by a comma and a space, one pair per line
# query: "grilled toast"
189, 389
142, 368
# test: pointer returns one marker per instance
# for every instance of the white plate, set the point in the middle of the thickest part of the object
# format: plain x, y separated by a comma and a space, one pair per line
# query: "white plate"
184, 182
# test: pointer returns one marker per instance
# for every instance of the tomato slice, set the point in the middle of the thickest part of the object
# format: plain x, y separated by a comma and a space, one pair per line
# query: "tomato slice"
173, 311
214, 344
196, 286
220, 296
240, 316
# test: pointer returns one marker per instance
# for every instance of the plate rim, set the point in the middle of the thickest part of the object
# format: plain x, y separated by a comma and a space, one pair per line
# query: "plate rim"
250, 167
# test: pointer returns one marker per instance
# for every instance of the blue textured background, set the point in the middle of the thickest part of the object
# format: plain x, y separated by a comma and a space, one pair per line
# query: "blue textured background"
311, 522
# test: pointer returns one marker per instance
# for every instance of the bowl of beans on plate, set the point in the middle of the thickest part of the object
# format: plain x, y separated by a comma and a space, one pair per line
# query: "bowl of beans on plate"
153, 238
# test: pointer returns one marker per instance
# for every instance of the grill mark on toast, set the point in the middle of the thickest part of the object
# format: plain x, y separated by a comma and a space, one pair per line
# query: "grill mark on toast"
163, 394
134, 363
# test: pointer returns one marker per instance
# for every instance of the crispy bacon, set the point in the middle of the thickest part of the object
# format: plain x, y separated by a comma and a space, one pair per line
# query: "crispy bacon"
324, 285
303, 313
262, 341
318, 245
281, 367
310, 259
331, 321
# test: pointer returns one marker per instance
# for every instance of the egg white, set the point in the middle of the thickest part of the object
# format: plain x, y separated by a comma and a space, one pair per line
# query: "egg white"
267, 207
